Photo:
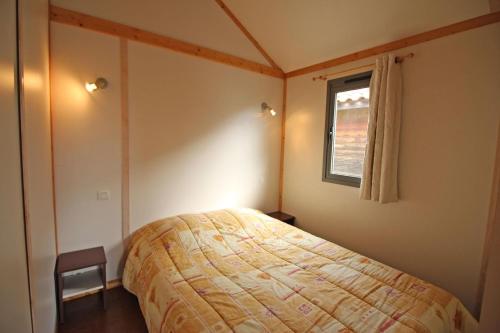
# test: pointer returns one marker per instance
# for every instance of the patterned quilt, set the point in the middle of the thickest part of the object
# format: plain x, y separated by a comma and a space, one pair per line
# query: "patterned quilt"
242, 271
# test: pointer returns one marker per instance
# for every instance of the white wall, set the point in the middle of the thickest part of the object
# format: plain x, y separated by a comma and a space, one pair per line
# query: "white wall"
14, 291
37, 161
197, 138
87, 146
450, 114
494, 5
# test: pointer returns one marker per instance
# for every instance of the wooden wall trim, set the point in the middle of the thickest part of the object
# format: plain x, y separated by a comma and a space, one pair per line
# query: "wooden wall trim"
282, 148
61, 15
124, 137
492, 218
247, 34
402, 43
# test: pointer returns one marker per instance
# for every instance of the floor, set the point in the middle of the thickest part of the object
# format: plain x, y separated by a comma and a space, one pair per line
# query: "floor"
85, 315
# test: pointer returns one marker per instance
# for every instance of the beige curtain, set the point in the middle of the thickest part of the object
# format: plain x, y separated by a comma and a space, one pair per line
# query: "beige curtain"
380, 168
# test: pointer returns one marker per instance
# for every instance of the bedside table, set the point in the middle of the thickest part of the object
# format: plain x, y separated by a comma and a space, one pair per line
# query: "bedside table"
68, 286
284, 217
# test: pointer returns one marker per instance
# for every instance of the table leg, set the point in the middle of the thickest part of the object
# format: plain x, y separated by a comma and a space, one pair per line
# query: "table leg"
104, 285
60, 303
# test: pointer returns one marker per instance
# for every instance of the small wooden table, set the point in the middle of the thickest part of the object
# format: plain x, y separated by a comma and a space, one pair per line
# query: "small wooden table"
284, 217
72, 261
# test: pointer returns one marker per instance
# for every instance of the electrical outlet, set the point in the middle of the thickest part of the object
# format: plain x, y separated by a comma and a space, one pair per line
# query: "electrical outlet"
103, 195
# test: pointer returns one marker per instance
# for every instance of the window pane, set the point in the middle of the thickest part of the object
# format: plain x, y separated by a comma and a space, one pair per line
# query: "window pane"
351, 126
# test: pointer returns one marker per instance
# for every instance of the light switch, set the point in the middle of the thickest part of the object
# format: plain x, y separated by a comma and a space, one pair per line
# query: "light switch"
103, 195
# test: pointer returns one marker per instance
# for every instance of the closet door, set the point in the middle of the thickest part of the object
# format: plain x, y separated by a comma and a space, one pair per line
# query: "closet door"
15, 312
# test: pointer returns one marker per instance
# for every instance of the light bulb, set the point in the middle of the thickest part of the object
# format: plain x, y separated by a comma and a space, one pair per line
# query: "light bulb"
99, 84
90, 86
272, 112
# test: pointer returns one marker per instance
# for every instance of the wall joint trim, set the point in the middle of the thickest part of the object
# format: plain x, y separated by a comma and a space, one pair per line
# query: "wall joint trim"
124, 138
282, 148
492, 218
401, 43
247, 33
65, 16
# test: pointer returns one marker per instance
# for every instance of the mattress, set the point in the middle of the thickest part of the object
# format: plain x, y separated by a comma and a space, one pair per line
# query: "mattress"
242, 271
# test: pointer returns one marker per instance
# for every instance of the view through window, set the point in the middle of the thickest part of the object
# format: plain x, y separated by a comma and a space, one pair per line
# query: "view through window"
346, 129
351, 126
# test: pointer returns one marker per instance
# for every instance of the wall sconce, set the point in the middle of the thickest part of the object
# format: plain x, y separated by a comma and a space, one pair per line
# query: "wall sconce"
100, 83
266, 107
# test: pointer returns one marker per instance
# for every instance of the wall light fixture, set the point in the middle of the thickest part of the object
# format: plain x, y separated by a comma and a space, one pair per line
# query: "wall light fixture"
98, 84
266, 107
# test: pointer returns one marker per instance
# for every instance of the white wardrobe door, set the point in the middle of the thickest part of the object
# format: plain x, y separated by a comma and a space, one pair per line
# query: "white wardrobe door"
14, 289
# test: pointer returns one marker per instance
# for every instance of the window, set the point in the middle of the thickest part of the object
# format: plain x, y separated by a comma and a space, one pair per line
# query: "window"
346, 129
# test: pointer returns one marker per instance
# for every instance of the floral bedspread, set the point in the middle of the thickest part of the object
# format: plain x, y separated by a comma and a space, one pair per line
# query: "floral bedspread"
240, 270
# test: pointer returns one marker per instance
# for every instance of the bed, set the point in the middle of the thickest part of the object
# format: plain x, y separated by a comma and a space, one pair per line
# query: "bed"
240, 270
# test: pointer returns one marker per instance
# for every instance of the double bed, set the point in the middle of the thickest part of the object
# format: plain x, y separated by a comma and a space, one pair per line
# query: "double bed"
240, 270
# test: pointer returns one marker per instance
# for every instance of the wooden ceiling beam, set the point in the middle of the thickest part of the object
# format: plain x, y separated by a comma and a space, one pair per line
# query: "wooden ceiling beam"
402, 43
247, 33
61, 15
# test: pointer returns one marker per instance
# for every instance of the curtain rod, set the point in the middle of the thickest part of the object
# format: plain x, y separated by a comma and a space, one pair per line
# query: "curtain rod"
324, 77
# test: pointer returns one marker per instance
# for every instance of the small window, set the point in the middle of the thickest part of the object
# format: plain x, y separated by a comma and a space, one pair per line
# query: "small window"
346, 129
